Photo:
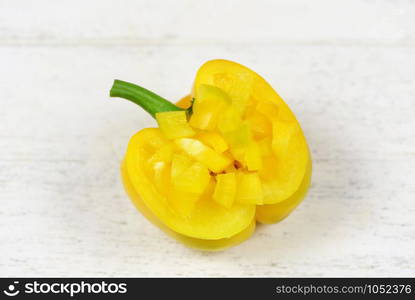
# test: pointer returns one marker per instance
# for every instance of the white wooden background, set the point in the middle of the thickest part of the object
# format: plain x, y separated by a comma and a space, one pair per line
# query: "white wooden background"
347, 68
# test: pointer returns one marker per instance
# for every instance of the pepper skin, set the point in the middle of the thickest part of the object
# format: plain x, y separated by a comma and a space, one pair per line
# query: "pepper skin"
225, 157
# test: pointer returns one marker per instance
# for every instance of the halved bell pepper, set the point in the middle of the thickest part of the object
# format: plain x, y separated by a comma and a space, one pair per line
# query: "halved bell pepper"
223, 158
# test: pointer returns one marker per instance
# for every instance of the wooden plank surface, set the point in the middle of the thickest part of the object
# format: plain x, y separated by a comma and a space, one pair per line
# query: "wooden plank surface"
345, 67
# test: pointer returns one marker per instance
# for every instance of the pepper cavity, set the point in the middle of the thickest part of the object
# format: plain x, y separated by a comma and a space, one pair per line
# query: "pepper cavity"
220, 145
226, 156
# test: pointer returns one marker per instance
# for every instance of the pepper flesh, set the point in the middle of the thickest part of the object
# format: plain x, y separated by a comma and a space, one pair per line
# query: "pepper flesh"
240, 126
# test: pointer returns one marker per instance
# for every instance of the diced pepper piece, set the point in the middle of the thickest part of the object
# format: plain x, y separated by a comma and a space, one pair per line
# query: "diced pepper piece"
174, 124
179, 164
250, 107
249, 188
188, 188
158, 141
161, 173
269, 109
213, 140
237, 85
207, 107
164, 153
225, 189
214, 161
239, 137
193, 180
260, 125
229, 120
253, 159
158, 162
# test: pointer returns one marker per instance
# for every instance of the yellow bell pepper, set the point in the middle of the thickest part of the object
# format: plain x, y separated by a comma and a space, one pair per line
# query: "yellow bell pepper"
223, 158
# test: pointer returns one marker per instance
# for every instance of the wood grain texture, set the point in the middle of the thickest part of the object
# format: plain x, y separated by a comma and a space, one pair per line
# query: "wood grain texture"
345, 67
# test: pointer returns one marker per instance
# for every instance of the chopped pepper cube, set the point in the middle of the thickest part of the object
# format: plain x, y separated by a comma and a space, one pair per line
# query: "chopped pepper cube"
253, 159
174, 124
260, 125
193, 180
239, 137
207, 107
213, 140
164, 153
268, 108
179, 164
216, 162
225, 189
249, 188
237, 85
229, 120
161, 173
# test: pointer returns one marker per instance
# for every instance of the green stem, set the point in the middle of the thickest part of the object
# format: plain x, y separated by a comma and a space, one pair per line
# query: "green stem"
149, 101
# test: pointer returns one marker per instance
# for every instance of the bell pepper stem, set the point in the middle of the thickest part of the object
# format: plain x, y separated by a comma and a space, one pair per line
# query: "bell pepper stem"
149, 101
